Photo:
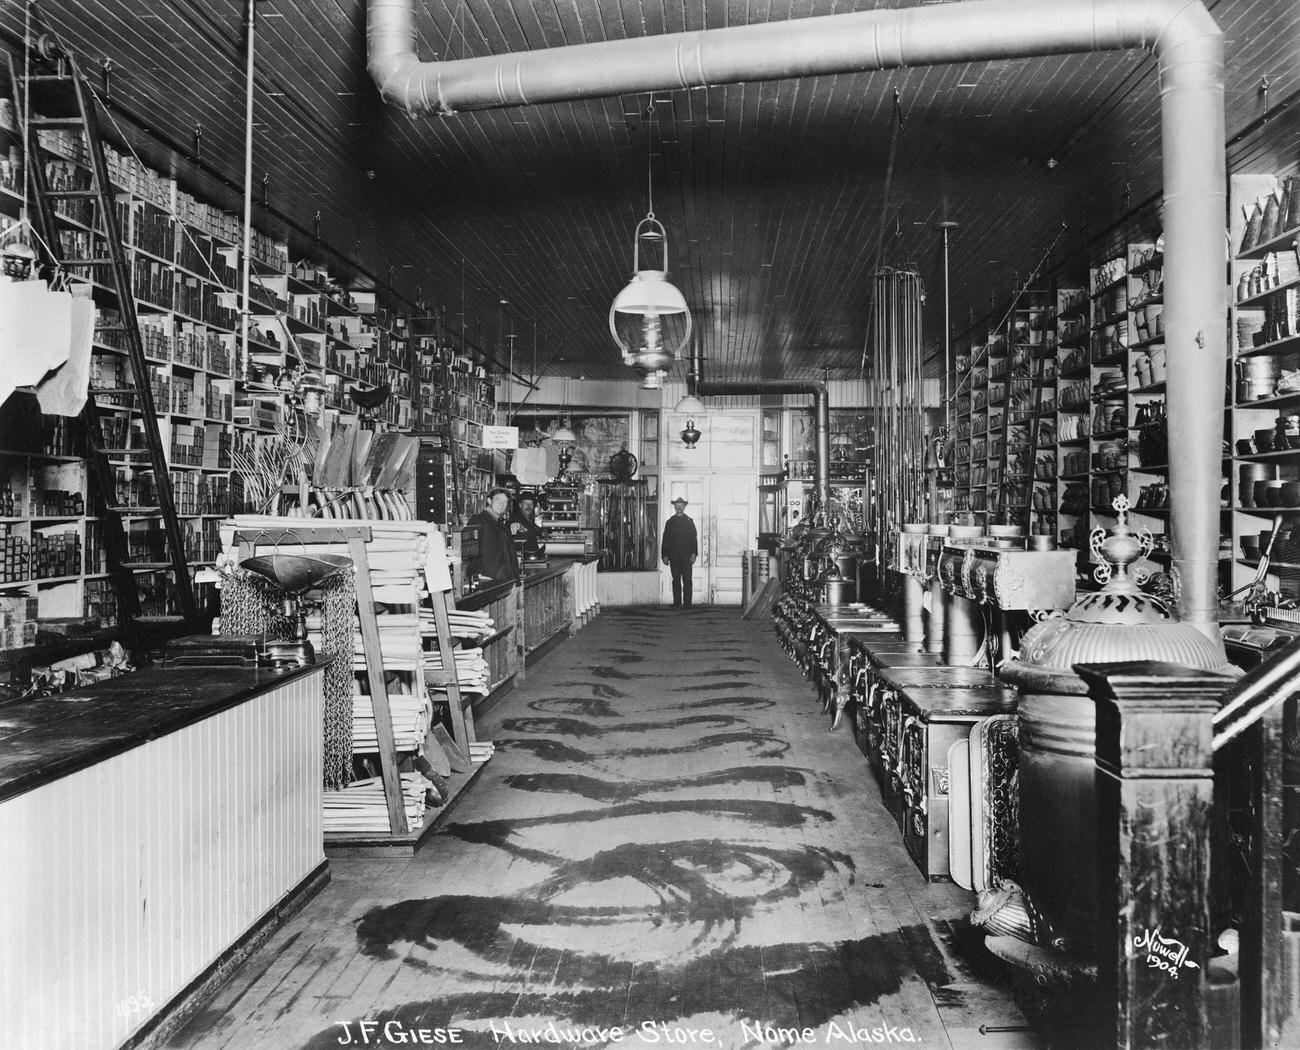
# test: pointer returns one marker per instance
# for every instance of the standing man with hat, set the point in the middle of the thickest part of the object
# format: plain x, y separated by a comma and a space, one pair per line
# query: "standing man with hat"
680, 548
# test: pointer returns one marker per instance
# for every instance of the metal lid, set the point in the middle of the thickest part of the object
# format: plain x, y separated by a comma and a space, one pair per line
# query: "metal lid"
1117, 623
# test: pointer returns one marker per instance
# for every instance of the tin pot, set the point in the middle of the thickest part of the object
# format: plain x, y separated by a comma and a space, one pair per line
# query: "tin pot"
840, 592
1257, 377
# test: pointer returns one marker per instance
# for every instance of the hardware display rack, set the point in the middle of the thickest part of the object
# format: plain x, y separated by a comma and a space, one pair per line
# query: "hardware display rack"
1264, 392
1021, 377
457, 400
407, 659
1086, 367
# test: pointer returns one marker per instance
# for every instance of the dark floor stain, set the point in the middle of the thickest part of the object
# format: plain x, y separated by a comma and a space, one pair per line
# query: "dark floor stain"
712, 653
752, 810
621, 791
627, 656
761, 744
601, 689
610, 671
577, 727
590, 706
746, 700
697, 885
711, 686
716, 673
550, 750
927, 958
786, 984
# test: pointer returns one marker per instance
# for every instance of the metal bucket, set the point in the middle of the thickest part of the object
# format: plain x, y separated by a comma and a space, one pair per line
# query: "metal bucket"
841, 592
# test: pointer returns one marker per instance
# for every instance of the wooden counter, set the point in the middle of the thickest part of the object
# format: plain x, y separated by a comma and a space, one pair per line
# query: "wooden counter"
156, 826
51, 737
550, 602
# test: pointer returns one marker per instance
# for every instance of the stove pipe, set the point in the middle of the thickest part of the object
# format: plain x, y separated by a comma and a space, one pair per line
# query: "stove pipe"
821, 409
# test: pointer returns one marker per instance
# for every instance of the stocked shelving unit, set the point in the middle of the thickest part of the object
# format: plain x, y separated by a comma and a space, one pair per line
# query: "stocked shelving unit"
455, 399
1264, 415
1082, 405
1021, 377
214, 394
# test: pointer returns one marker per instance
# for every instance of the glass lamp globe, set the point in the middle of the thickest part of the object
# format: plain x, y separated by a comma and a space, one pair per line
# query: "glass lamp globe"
649, 318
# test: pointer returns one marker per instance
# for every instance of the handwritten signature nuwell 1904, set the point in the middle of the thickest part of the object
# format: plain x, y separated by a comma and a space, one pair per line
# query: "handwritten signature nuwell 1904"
1164, 953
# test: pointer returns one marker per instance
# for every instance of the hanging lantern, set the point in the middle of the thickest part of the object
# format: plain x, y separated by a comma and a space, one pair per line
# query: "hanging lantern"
19, 261
649, 318
690, 435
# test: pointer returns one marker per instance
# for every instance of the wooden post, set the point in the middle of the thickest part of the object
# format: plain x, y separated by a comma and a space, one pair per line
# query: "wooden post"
569, 597
462, 722
520, 631
1155, 788
389, 774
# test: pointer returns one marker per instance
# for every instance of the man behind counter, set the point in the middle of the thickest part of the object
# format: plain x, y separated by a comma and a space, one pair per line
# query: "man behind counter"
523, 524
496, 548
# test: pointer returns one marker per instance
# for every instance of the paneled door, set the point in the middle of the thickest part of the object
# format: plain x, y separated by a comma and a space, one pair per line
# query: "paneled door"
731, 532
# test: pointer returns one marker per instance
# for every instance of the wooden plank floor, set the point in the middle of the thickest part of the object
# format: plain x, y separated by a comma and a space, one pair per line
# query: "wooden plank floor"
668, 840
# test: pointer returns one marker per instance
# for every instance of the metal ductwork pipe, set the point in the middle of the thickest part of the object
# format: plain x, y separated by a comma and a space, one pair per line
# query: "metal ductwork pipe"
1181, 33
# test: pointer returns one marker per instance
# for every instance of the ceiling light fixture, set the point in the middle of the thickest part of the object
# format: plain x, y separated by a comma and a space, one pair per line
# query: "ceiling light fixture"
563, 434
649, 318
690, 405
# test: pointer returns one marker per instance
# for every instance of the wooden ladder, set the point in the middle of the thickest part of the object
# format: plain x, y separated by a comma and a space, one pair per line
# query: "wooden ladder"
66, 94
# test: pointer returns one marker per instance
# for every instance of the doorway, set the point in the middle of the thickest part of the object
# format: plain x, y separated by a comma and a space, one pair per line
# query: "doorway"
719, 478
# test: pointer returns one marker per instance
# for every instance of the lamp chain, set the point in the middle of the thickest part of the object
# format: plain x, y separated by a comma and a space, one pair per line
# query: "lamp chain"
649, 157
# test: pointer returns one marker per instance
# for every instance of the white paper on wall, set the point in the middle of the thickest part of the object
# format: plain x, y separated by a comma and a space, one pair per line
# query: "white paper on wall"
64, 392
530, 466
35, 333
437, 571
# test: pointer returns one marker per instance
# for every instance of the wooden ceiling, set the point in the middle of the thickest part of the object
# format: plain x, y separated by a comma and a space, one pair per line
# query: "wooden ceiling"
779, 198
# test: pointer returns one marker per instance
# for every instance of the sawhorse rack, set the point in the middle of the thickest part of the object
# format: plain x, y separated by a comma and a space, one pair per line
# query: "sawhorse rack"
355, 538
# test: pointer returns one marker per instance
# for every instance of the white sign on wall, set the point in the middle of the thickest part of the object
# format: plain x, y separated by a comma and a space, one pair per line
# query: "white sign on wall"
500, 437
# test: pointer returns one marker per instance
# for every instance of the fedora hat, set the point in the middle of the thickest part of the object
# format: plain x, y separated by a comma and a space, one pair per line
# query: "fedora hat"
682, 500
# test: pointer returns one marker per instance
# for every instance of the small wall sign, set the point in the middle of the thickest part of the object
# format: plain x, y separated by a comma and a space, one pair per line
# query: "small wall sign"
500, 437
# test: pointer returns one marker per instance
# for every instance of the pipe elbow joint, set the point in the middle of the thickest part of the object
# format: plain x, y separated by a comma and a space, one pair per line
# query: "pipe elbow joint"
400, 78
1172, 25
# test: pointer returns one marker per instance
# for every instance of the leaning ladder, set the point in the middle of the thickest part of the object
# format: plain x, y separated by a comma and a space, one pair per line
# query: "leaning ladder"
66, 90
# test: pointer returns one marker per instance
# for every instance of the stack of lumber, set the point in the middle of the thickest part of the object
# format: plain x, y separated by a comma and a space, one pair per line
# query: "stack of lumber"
412, 716
399, 641
360, 807
465, 625
471, 669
